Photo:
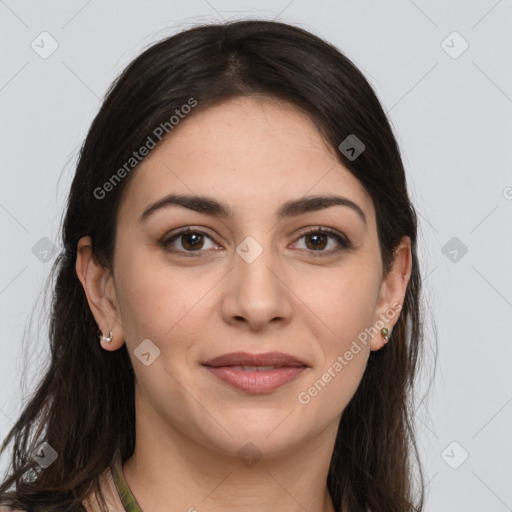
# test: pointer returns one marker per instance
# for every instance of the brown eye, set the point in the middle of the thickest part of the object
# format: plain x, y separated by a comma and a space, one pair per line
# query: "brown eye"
190, 240
317, 240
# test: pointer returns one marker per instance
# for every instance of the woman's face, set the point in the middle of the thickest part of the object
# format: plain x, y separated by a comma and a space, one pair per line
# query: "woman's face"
251, 281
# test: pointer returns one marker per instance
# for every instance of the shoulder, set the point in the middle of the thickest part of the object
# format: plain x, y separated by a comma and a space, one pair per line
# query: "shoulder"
5, 508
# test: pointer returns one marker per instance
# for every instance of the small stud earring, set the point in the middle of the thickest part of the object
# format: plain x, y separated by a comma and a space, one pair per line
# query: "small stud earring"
101, 337
385, 333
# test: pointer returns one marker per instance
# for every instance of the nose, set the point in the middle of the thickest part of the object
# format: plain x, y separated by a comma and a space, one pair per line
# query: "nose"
257, 296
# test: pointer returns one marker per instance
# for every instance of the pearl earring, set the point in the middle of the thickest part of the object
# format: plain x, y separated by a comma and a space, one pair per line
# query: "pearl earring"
101, 337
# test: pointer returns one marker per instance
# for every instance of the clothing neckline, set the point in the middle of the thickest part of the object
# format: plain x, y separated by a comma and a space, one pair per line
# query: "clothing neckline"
123, 489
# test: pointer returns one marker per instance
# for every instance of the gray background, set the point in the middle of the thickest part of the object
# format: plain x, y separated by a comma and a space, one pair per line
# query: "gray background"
451, 113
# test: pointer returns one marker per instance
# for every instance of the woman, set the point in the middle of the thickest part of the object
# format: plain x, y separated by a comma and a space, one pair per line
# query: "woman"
236, 315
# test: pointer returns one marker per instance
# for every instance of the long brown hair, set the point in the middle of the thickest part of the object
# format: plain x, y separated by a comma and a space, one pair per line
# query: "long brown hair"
84, 404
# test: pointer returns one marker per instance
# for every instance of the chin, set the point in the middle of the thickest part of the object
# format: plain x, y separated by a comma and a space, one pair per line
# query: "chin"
270, 436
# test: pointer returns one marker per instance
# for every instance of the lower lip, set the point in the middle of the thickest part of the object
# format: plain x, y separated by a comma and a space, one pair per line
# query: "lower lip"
257, 382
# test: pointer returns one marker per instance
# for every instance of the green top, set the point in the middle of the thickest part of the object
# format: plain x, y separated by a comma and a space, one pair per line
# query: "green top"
127, 498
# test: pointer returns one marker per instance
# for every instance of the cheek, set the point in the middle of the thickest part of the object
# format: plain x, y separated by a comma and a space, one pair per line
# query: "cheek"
338, 326
341, 303
339, 308
154, 301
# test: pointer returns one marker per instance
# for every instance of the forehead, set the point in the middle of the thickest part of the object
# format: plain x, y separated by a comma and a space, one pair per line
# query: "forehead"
251, 153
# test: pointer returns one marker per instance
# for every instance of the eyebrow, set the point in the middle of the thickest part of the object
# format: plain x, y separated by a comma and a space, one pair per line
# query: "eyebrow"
210, 206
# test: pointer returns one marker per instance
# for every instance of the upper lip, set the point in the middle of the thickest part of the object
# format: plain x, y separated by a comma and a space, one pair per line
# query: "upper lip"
246, 359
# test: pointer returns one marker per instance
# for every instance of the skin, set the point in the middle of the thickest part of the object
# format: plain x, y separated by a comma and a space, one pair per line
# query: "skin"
253, 154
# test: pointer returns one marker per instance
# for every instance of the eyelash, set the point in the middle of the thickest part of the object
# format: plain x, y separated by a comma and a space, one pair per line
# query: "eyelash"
344, 243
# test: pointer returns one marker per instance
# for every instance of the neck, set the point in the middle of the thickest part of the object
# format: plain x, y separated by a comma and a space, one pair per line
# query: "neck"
169, 468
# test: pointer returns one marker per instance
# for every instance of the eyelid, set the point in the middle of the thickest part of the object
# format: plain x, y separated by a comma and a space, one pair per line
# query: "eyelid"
344, 243
175, 235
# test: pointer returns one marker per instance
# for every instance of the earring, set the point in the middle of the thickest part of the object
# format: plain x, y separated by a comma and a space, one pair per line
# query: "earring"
385, 334
101, 337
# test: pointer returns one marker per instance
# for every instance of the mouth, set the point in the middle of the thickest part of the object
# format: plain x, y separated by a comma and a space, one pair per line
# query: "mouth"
247, 368
256, 373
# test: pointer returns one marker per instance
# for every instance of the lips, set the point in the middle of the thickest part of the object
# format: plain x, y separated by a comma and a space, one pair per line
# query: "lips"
256, 373
277, 359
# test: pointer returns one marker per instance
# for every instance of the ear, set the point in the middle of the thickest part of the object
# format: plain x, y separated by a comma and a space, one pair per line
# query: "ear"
392, 292
99, 288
